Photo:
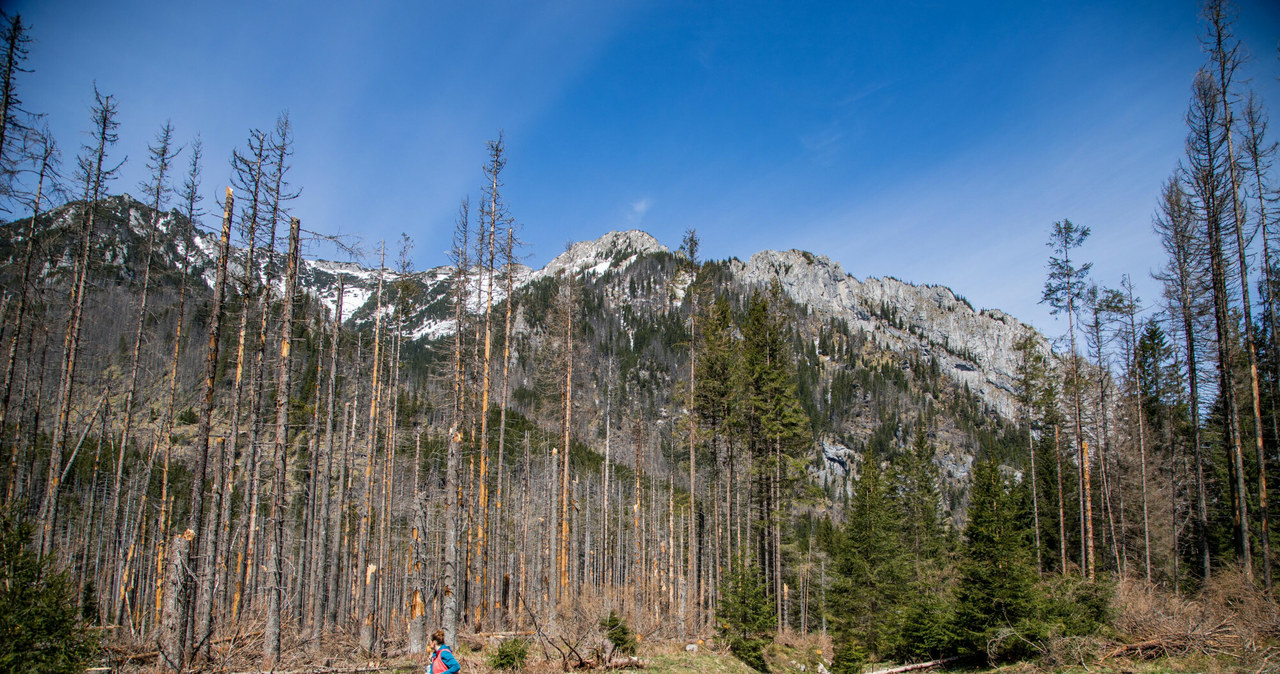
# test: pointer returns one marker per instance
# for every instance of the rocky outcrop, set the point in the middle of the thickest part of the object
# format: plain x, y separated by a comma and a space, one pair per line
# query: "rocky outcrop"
975, 348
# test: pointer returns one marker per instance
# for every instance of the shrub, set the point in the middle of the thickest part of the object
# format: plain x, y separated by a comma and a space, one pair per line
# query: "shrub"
619, 634
510, 655
187, 417
1075, 607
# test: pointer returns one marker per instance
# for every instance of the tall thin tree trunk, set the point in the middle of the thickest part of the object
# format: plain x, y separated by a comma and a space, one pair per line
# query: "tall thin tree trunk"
368, 570
1062, 509
1258, 152
324, 592
275, 591
1035, 494
171, 632
565, 430
690, 589
71, 350
46, 156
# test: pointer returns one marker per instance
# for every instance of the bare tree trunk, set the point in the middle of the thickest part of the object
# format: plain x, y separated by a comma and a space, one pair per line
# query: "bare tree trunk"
452, 489
47, 156
1259, 155
417, 607
693, 472
95, 177
196, 517
275, 591
565, 430
246, 563
1131, 310
338, 548
1062, 509
367, 570
449, 576
1225, 56
161, 156
493, 212
1103, 436
509, 279
637, 566
385, 601
171, 631
324, 592
1035, 494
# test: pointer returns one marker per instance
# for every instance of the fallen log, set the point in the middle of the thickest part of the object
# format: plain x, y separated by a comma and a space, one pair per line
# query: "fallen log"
631, 662
503, 635
130, 655
1195, 638
1164, 645
918, 666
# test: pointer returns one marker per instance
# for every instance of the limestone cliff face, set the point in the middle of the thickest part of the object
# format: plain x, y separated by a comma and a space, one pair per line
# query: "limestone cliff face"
976, 348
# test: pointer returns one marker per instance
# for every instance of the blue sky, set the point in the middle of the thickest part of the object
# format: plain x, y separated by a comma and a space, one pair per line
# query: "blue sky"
931, 141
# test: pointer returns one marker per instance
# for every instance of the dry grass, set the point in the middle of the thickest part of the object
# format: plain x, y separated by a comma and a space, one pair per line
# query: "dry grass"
1231, 623
1230, 626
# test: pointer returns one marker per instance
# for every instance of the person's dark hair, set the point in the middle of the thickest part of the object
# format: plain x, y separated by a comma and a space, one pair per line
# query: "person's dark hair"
438, 637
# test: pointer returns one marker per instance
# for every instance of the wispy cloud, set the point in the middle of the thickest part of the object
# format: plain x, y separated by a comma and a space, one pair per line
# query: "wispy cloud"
637, 209
824, 145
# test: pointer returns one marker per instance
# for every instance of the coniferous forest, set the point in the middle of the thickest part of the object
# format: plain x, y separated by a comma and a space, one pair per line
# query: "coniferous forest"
219, 452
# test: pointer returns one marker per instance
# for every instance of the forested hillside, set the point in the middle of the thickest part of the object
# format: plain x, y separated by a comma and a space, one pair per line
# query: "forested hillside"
223, 453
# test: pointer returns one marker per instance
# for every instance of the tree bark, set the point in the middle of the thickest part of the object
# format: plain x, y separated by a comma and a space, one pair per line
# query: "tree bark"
195, 520
275, 592
171, 631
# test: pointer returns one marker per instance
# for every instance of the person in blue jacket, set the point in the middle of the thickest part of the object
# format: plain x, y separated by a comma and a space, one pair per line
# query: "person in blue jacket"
442, 660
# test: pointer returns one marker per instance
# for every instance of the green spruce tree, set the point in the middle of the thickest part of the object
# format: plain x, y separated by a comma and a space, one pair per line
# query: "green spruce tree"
745, 619
996, 591
41, 627
874, 570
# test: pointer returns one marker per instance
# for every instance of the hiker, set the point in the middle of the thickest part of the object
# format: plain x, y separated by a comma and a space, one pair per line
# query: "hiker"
442, 660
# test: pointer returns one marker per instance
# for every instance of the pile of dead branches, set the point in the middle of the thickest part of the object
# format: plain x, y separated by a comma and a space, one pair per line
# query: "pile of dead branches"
1214, 638
574, 638
1230, 616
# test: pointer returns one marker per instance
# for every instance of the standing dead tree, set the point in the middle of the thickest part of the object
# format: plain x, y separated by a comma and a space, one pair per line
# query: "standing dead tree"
275, 589
95, 175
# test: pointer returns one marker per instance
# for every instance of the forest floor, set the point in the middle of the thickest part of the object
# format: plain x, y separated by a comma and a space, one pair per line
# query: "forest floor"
796, 658
673, 659
1229, 626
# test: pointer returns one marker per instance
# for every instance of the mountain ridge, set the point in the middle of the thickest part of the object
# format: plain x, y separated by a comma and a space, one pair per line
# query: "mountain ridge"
974, 348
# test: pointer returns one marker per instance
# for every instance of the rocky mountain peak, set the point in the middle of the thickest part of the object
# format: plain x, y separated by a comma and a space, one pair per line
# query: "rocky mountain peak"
611, 251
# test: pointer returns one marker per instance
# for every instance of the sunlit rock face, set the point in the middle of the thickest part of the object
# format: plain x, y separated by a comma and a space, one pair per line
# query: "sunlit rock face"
976, 348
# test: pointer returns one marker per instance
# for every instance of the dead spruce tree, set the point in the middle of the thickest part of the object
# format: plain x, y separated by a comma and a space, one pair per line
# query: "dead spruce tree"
277, 512
45, 157
94, 173
160, 154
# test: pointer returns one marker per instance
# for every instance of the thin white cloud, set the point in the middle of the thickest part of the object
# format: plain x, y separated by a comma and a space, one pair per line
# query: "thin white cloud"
637, 210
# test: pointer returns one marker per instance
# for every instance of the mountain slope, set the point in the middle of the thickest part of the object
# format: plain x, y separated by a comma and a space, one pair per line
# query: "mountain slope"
909, 351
